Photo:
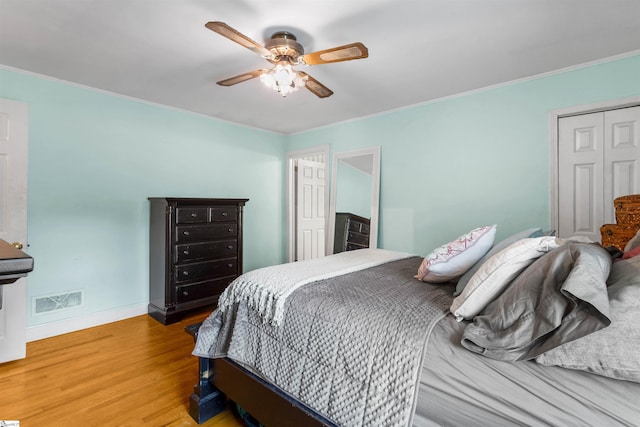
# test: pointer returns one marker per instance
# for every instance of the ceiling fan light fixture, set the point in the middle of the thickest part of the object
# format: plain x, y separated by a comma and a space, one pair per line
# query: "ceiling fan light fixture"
283, 50
283, 78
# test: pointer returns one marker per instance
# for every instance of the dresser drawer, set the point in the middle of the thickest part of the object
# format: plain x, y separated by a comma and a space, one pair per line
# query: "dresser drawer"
206, 269
199, 290
191, 215
358, 227
354, 226
361, 239
354, 246
224, 213
196, 251
198, 233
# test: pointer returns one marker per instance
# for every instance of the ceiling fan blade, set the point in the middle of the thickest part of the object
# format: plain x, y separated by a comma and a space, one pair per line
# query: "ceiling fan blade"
234, 35
317, 88
336, 54
241, 78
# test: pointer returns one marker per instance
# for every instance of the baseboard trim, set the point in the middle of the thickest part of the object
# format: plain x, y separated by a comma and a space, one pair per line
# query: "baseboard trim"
48, 330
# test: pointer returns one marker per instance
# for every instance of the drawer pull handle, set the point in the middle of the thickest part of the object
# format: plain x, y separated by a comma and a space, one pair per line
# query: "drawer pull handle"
229, 265
230, 247
224, 214
185, 273
186, 233
185, 252
231, 230
193, 215
185, 293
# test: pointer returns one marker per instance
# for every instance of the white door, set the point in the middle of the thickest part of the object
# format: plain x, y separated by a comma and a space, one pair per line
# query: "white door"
580, 189
310, 217
621, 157
598, 160
13, 222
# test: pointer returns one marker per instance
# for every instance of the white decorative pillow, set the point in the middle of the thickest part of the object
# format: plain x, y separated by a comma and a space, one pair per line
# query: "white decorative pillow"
452, 260
497, 272
503, 244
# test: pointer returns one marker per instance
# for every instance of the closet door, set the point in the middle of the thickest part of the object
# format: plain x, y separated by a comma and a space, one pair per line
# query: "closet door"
621, 157
598, 160
580, 172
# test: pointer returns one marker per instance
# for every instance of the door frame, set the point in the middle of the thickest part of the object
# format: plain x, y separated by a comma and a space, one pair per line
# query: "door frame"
291, 198
554, 116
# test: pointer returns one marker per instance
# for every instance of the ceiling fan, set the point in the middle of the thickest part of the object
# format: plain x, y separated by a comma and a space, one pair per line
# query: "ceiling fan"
283, 50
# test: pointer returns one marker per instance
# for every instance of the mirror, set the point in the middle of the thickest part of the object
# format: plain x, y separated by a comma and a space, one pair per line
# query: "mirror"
353, 207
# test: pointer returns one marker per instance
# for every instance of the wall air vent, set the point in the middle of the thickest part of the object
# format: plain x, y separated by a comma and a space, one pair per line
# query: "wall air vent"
49, 303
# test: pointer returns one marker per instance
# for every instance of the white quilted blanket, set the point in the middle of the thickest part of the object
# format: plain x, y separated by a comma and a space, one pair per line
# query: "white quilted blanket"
266, 289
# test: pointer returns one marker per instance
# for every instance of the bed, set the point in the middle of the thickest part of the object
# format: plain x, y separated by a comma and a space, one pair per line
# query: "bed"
529, 330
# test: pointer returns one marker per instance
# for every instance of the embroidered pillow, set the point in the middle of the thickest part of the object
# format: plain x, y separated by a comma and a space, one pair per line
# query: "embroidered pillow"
530, 232
450, 261
497, 272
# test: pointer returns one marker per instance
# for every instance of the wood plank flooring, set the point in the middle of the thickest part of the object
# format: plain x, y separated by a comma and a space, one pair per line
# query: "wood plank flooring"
135, 372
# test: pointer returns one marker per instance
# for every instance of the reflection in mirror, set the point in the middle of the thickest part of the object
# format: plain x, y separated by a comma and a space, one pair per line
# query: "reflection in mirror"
353, 212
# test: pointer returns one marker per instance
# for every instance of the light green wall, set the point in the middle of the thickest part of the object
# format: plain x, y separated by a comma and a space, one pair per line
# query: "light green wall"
482, 158
447, 166
94, 159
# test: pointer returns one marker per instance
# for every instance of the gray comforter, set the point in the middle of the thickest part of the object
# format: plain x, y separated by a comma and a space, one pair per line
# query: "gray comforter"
349, 347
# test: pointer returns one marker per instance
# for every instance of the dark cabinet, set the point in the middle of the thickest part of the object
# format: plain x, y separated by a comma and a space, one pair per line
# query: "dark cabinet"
195, 251
352, 232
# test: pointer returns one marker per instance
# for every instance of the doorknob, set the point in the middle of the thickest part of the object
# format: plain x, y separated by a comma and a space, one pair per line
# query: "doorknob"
17, 245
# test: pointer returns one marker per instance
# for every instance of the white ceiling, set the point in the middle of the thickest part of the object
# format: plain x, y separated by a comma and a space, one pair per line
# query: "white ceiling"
420, 50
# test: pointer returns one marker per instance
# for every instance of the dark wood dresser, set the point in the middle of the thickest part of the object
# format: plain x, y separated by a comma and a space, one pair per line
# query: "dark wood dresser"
195, 251
352, 232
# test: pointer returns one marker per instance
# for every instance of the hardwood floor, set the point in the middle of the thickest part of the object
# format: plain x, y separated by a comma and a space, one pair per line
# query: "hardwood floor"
133, 372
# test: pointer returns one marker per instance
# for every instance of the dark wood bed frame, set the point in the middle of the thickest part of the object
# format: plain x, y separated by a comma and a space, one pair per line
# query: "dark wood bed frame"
223, 380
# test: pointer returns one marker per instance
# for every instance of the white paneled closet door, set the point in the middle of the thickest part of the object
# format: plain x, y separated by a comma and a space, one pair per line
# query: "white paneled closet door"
598, 160
580, 172
621, 157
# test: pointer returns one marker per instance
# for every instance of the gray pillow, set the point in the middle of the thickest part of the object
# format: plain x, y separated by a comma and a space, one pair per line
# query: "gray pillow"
614, 351
559, 298
464, 279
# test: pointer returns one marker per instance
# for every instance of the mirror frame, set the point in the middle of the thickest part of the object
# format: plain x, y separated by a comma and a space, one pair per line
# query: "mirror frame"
375, 195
